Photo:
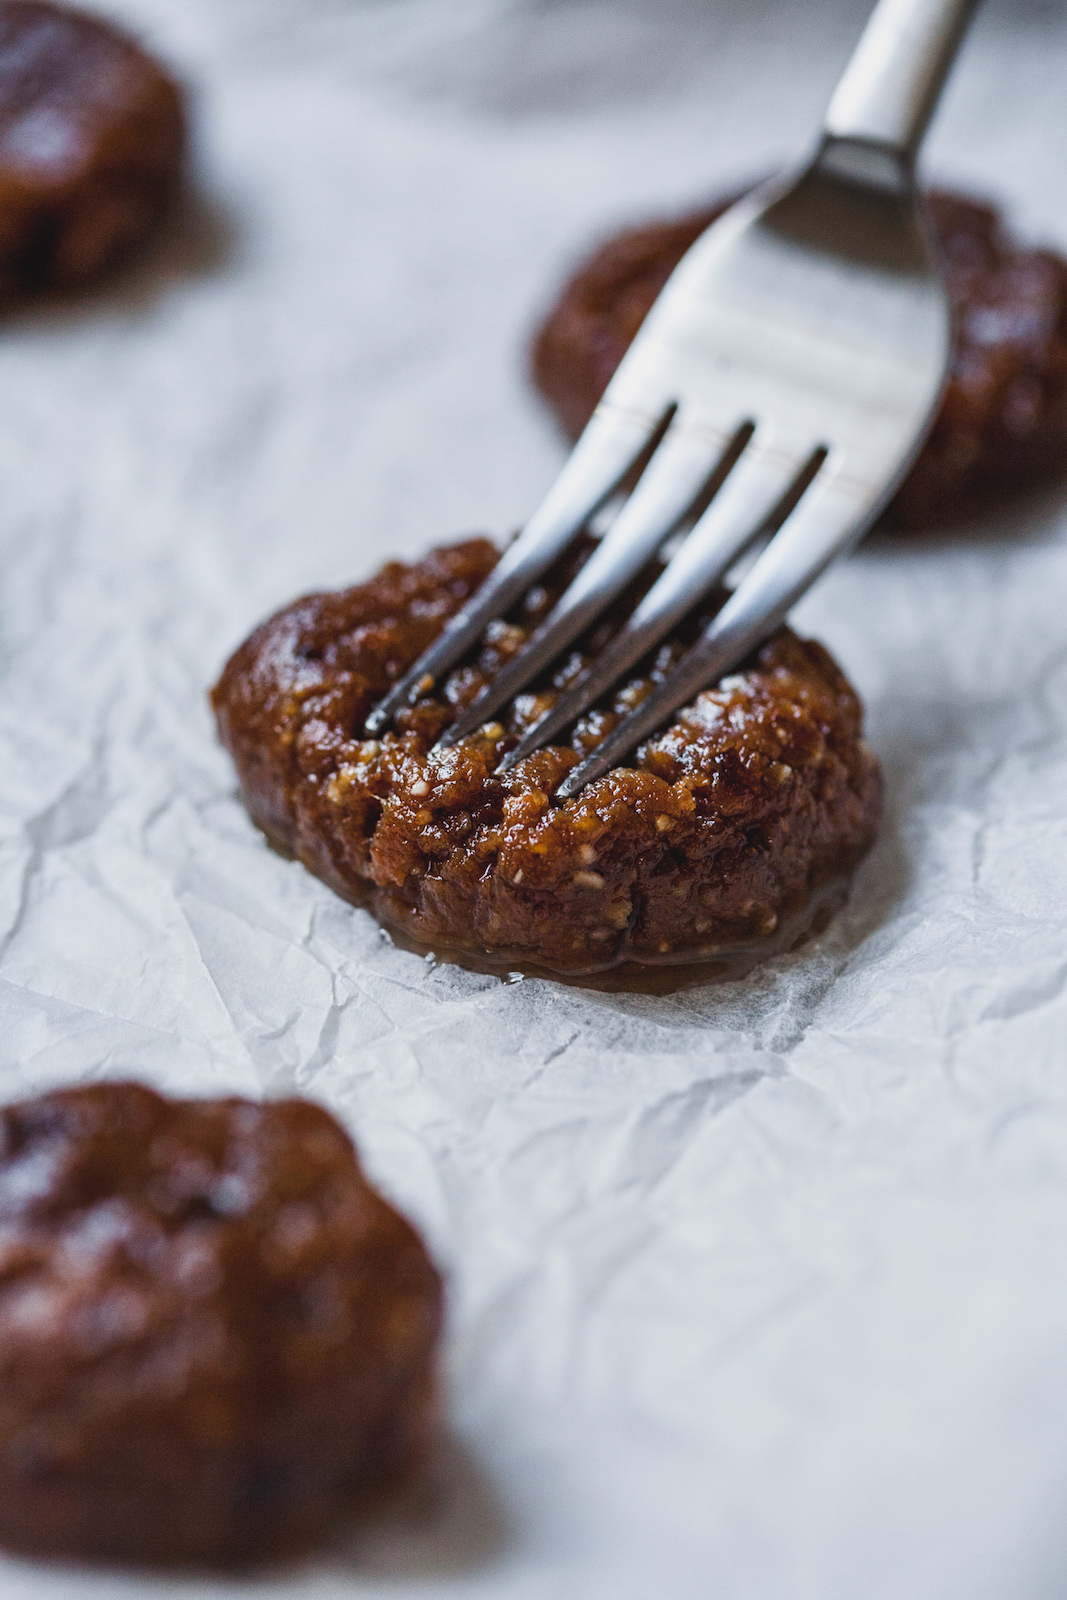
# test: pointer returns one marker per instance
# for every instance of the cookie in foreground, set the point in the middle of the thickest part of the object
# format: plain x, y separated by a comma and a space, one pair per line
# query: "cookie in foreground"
1002, 424
722, 830
92, 144
216, 1339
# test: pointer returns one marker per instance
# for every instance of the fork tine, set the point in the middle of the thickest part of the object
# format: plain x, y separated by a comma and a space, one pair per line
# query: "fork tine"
613, 441
832, 514
755, 489
672, 481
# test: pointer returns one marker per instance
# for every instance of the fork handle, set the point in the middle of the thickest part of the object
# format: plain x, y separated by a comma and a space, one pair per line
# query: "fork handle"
889, 89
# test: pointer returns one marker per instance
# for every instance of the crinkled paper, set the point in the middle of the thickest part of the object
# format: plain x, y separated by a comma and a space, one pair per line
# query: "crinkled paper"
757, 1291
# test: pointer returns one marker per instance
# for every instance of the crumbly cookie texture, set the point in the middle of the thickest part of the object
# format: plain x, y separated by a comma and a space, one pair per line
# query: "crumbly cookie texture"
216, 1339
1002, 425
760, 792
92, 144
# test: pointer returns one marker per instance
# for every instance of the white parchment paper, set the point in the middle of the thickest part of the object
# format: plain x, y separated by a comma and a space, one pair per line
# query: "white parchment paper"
756, 1290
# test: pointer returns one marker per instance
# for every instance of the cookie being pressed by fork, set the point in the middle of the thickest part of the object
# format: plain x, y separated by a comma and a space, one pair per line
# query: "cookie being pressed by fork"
714, 841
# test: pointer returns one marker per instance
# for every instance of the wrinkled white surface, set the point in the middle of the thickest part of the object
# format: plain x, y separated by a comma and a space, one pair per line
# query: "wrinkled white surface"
758, 1290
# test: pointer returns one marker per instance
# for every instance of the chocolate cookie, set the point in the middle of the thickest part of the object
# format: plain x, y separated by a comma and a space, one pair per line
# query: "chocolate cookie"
215, 1337
92, 140
721, 829
1002, 425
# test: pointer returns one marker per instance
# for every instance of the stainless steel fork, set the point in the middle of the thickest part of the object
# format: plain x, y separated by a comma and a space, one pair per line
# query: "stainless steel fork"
797, 352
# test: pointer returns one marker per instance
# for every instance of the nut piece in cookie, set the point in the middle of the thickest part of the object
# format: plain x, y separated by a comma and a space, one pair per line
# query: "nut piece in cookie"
720, 832
1002, 425
92, 142
216, 1339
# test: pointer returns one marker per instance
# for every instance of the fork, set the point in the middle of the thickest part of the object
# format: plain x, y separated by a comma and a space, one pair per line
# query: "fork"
792, 364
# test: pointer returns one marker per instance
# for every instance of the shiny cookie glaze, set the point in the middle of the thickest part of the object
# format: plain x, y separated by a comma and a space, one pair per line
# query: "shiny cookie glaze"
92, 142
727, 822
215, 1336
1002, 425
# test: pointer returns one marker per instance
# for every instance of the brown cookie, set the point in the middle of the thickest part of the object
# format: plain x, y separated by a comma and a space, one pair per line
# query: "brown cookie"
216, 1338
721, 830
92, 141
1002, 425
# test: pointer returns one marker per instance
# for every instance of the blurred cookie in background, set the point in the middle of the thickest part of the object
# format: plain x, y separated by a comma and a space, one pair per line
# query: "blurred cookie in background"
1002, 425
92, 147
217, 1340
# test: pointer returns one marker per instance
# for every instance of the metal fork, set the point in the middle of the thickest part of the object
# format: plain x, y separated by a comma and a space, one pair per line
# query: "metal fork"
797, 352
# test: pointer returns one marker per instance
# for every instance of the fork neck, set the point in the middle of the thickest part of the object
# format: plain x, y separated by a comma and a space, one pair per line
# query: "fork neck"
885, 99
